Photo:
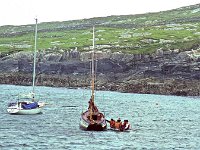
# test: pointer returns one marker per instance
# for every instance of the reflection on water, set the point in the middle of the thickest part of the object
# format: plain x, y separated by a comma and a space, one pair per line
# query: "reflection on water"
158, 122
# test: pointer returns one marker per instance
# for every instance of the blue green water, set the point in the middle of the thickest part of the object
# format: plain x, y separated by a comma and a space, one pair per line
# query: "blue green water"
158, 122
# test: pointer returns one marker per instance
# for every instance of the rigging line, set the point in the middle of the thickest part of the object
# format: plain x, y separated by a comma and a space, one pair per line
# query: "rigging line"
90, 76
93, 86
95, 70
34, 59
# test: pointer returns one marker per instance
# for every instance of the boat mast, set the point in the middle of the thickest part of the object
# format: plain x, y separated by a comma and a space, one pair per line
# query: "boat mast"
34, 58
93, 76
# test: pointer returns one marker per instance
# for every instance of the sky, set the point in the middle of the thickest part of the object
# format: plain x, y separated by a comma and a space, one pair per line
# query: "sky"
22, 12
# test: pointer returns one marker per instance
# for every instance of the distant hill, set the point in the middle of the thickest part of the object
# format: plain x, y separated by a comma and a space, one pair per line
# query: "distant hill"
141, 33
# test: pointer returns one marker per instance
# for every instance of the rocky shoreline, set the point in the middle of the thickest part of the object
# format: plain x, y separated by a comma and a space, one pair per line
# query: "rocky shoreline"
142, 86
164, 72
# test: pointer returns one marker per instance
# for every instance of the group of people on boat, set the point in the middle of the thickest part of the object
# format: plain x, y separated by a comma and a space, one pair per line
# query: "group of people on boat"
119, 125
96, 115
92, 106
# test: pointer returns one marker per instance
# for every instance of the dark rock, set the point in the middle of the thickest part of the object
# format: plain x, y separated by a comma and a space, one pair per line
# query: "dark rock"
180, 93
9, 66
136, 73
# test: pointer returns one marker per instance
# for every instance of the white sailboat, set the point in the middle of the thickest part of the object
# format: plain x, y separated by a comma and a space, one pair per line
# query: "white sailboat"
93, 119
28, 107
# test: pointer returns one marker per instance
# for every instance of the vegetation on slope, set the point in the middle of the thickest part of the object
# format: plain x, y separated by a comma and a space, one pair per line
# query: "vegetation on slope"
143, 33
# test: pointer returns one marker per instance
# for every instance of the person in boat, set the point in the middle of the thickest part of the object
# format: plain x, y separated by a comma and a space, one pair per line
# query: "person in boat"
92, 106
95, 109
92, 122
125, 125
112, 123
99, 116
118, 124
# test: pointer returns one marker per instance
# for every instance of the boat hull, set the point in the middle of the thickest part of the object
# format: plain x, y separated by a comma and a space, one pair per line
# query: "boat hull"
96, 127
92, 127
118, 130
85, 124
17, 109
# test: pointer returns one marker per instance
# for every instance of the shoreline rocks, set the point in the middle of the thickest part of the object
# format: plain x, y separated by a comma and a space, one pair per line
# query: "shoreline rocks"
142, 85
164, 72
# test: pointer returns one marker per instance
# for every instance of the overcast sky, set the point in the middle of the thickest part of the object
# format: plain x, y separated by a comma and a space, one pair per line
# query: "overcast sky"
21, 12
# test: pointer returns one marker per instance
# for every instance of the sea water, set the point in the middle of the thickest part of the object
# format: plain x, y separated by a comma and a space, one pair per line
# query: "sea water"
157, 121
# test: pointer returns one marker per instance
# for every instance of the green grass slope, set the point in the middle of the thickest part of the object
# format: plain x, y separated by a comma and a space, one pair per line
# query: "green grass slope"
142, 33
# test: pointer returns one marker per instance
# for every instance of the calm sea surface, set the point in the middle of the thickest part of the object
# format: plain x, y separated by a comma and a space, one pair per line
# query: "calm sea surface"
158, 122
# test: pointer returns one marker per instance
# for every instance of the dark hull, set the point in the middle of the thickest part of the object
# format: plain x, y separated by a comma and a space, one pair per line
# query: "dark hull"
93, 127
85, 124
96, 127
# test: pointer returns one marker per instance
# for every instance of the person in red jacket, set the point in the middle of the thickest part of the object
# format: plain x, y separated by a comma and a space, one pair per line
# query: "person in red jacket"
112, 123
125, 125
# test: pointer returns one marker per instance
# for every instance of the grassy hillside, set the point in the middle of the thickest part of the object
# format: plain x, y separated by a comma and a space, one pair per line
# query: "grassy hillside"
143, 33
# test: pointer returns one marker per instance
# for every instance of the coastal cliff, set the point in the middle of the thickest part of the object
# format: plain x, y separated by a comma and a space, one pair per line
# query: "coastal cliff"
164, 72
156, 53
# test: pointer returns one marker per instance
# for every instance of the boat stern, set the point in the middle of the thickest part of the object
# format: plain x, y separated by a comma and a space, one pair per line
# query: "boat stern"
13, 108
96, 127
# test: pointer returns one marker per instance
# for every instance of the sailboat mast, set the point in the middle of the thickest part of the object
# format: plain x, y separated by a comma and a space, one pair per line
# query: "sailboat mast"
34, 57
93, 77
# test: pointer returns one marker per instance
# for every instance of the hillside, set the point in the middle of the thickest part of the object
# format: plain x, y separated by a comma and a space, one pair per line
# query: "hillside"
125, 52
134, 34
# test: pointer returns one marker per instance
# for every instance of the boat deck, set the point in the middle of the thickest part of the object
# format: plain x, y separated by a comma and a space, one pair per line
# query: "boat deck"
98, 117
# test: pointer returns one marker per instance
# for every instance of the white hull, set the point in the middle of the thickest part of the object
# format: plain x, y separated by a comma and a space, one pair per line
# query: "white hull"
29, 107
118, 130
18, 110
83, 124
